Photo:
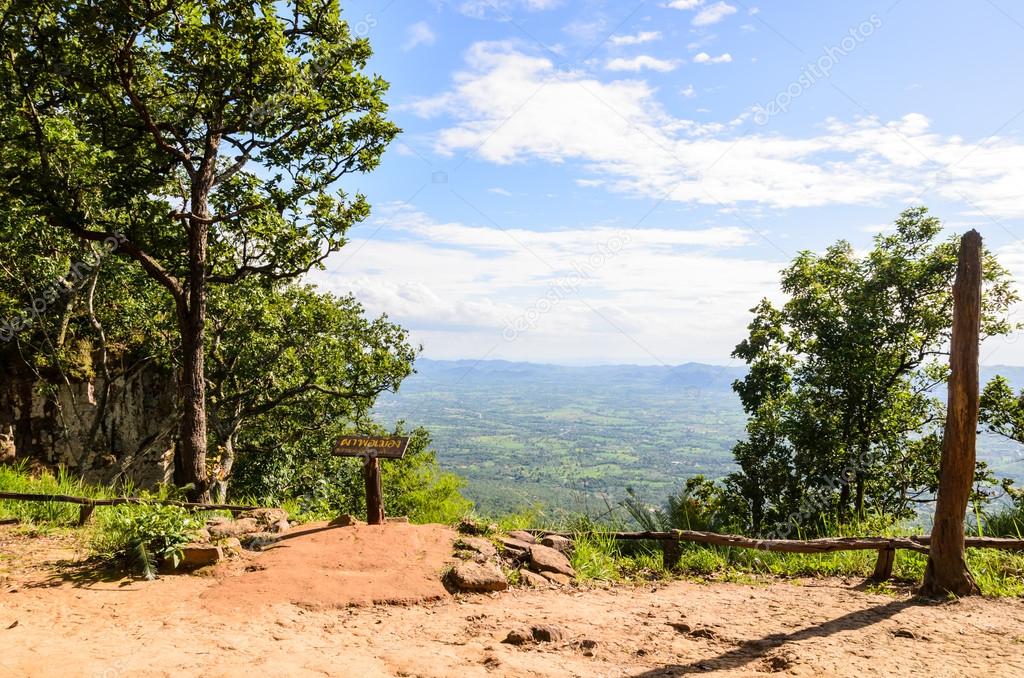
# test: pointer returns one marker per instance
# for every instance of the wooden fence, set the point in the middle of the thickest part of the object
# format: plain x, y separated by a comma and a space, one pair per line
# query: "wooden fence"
886, 546
89, 505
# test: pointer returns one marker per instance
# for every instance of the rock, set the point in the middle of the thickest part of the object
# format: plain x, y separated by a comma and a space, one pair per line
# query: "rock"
202, 534
259, 541
470, 526
346, 520
523, 535
532, 579
518, 637
473, 577
557, 578
557, 542
234, 528
546, 633
514, 547
231, 546
477, 545
546, 559
269, 519
217, 520
397, 519
199, 555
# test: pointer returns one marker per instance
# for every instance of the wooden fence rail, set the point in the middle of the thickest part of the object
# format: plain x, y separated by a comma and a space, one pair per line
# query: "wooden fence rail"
88, 504
886, 546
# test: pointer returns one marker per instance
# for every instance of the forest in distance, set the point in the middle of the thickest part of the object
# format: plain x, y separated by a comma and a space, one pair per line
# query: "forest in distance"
577, 437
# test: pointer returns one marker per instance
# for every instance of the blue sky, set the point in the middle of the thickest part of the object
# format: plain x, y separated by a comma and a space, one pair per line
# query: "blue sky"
587, 181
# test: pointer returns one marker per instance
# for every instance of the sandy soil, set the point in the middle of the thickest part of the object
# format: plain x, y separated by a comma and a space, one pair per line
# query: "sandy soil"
302, 610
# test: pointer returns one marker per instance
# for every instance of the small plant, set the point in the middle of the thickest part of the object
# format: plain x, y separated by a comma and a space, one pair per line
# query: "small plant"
143, 536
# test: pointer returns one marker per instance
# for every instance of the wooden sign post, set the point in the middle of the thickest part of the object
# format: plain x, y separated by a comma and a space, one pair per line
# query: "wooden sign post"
372, 449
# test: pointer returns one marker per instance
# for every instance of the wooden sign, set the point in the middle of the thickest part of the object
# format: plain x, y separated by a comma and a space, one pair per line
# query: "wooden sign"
372, 449
386, 447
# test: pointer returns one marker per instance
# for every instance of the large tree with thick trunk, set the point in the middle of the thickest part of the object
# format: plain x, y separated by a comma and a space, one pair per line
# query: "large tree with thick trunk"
206, 138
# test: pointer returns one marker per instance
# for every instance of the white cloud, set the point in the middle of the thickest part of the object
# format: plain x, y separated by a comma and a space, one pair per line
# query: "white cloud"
637, 39
684, 4
705, 58
642, 62
484, 8
509, 106
497, 190
461, 286
419, 34
712, 14
689, 92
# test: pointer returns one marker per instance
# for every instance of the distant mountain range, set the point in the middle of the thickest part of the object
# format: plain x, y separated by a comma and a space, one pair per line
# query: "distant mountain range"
578, 437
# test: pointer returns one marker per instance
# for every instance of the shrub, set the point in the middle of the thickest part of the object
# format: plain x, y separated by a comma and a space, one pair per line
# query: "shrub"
143, 536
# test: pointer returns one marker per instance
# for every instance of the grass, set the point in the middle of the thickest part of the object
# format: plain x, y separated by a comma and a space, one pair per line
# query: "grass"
18, 478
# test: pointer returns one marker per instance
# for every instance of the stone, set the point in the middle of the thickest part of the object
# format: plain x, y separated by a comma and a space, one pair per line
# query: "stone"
199, 555
234, 528
346, 520
397, 519
546, 559
269, 519
514, 547
557, 578
232, 546
470, 526
478, 545
545, 633
532, 579
259, 541
523, 536
518, 637
202, 534
559, 543
470, 577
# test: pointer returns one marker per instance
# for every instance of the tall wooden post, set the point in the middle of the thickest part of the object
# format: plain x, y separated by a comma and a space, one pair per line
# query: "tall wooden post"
947, 564
374, 494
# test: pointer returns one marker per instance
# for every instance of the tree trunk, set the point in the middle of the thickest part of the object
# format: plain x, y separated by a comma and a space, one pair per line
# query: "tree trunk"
947, 564
227, 462
191, 467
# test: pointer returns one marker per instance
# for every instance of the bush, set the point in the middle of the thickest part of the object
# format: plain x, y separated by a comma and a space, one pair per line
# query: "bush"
143, 536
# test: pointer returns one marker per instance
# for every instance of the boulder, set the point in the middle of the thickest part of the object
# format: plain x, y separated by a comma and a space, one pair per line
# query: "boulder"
268, 519
477, 545
557, 578
523, 536
514, 547
470, 526
199, 555
546, 559
557, 542
532, 579
234, 528
346, 520
471, 577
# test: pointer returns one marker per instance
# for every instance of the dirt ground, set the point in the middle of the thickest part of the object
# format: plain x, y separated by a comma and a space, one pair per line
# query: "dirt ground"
311, 607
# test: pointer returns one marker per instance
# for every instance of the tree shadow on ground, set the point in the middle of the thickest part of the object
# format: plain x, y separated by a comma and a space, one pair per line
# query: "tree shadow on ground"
81, 574
748, 651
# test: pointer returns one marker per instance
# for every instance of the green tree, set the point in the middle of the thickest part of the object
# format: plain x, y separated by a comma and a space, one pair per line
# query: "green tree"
314, 357
207, 138
843, 419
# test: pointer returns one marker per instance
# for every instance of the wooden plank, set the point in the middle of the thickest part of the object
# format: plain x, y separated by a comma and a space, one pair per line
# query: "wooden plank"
385, 447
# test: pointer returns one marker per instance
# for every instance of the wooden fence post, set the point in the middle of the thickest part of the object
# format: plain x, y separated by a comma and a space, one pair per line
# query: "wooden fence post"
947, 562
883, 566
374, 494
